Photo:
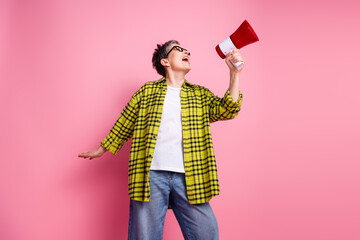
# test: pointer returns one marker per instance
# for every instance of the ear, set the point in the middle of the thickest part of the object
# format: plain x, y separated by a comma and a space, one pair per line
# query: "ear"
164, 62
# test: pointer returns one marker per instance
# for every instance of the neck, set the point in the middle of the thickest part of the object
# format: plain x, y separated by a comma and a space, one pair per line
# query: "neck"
175, 80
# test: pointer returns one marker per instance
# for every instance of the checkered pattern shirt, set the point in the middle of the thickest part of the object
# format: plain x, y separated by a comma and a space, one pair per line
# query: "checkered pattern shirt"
140, 119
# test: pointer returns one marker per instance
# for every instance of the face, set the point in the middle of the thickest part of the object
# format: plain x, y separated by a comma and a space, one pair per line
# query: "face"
177, 60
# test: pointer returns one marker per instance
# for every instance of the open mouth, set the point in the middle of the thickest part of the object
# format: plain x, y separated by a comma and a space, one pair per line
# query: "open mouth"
186, 59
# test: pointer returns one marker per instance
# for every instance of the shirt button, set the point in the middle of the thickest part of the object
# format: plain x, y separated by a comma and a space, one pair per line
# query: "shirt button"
154, 136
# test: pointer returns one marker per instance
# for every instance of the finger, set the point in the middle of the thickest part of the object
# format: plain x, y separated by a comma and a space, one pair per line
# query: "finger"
233, 59
238, 60
236, 55
85, 155
235, 50
228, 56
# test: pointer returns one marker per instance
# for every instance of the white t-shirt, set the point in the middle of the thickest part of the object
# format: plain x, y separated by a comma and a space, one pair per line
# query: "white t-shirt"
168, 153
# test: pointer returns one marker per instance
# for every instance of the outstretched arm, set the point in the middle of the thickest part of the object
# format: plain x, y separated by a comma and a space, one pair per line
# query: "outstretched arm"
121, 131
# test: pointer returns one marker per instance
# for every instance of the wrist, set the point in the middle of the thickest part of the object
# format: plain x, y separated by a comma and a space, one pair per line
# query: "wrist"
235, 72
234, 77
102, 149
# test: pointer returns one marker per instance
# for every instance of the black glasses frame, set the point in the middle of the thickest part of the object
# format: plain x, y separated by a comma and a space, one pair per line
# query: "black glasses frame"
180, 49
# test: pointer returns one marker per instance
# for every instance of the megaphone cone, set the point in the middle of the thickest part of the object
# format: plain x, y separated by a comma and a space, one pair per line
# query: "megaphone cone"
243, 36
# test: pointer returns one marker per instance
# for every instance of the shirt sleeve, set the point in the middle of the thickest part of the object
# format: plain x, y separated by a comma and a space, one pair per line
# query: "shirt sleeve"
223, 108
123, 128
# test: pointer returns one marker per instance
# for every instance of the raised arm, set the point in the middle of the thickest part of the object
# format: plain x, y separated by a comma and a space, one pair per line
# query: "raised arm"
234, 87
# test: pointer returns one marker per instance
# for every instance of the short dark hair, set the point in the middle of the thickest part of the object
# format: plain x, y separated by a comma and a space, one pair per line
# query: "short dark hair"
160, 53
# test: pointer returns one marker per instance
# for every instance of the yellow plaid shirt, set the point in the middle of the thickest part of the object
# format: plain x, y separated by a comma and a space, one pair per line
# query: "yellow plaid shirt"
140, 120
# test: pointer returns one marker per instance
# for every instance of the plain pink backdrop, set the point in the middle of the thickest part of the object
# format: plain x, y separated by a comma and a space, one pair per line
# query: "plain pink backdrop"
288, 164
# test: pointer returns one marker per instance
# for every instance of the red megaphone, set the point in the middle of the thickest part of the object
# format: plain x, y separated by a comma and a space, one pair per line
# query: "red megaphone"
243, 36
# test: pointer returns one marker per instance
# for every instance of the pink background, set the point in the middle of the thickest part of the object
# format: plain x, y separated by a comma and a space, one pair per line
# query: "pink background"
288, 164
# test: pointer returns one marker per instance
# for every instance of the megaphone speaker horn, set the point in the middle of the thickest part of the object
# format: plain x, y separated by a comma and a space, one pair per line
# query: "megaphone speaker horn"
243, 36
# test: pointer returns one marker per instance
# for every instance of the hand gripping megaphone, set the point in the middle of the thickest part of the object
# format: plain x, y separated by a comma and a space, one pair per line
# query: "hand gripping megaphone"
243, 36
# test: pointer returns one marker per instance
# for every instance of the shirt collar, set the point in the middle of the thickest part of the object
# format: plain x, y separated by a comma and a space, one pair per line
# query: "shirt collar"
185, 85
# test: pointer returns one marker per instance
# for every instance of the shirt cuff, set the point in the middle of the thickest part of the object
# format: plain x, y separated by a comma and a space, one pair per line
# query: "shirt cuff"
111, 145
230, 104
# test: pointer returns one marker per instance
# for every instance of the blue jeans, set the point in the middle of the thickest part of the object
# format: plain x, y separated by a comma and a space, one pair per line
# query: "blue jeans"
146, 221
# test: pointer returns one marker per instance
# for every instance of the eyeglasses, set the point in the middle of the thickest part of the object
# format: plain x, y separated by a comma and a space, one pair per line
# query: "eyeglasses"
180, 49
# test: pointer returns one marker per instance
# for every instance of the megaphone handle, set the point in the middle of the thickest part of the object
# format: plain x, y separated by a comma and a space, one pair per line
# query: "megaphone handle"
237, 64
